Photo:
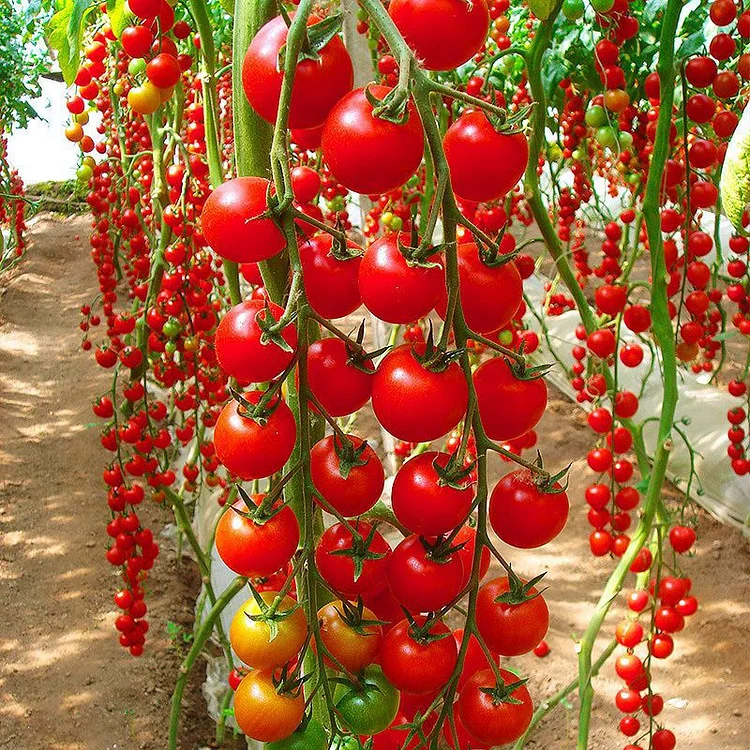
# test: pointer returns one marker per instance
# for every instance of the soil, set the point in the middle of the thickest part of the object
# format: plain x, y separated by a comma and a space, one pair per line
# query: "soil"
65, 683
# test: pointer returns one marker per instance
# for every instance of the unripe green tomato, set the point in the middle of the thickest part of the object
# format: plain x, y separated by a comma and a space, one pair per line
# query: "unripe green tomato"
555, 152
596, 116
137, 66
577, 155
505, 337
387, 218
172, 328
607, 137
84, 173
170, 347
602, 6
634, 179
312, 737
507, 65
396, 223
573, 9
625, 140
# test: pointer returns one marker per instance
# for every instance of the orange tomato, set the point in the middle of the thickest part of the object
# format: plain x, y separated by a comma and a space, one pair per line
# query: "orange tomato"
353, 647
262, 713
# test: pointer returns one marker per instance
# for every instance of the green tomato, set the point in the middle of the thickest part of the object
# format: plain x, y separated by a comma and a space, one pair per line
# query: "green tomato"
136, 66
578, 155
596, 116
602, 6
372, 707
170, 347
607, 137
312, 737
573, 9
625, 140
396, 224
505, 337
84, 173
172, 328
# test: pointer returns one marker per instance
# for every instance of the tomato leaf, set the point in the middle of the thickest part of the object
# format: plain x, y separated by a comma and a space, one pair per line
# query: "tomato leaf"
65, 31
119, 16
542, 8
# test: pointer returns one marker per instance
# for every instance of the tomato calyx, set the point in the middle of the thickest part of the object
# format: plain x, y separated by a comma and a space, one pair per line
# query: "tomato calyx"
358, 357
360, 551
269, 613
349, 455
548, 483
354, 616
288, 681
491, 256
316, 37
420, 629
441, 550
435, 358
417, 255
393, 107
272, 329
519, 591
503, 692
454, 474
522, 371
268, 507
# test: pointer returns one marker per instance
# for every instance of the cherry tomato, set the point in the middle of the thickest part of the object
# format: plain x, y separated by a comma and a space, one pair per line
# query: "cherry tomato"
353, 646
263, 713
370, 706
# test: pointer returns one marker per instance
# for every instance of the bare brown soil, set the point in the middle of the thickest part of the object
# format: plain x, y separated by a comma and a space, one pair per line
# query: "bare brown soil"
65, 684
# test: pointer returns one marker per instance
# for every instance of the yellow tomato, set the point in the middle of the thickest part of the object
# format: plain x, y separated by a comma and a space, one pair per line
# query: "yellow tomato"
83, 118
74, 132
144, 99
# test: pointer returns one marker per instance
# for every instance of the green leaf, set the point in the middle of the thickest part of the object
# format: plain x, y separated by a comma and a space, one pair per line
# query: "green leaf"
735, 175
542, 8
119, 16
66, 35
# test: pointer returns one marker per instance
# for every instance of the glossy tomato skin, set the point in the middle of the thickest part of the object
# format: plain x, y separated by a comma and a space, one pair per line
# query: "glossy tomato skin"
230, 225
251, 450
423, 503
253, 641
318, 84
484, 164
340, 387
508, 406
510, 629
415, 404
443, 33
330, 284
418, 667
419, 583
366, 154
523, 514
312, 737
489, 723
394, 290
353, 649
338, 570
369, 708
238, 343
363, 485
261, 713
256, 550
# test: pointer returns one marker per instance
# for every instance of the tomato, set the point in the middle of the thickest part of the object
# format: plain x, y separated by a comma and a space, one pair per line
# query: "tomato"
681, 538
508, 406
465, 740
416, 404
330, 284
144, 99
254, 641
310, 736
353, 646
484, 164
231, 224
523, 514
240, 345
253, 549
136, 40
443, 33
264, 714
511, 629
423, 580
394, 289
370, 706
490, 295
494, 721
350, 489
318, 84
163, 70
418, 665
339, 571
366, 154
424, 502
305, 184
339, 384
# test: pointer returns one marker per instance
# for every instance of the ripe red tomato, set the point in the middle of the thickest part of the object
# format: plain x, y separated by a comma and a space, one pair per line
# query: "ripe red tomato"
330, 284
136, 40
443, 33
508, 406
163, 70
230, 224
256, 550
357, 491
511, 629
318, 84
416, 404
239, 348
422, 581
418, 665
367, 154
490, 295
338, 570
252, 450
392, 288
494, 722
484, 164
424, 502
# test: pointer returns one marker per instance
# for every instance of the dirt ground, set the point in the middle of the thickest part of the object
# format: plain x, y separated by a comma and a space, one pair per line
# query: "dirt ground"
65, 684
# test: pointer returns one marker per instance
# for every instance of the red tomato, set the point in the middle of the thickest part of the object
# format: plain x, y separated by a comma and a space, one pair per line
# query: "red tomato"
318, 84
424, 502
256, 550
416, 404
240, 350
510, 629
305, 184
330, 284
523, 514
421, 581
484, 164
490, 295
340, 386
443, 33
163, 70
230, 222
360, 486
366, 154
508, 406
418, 665
392, 288
252, 450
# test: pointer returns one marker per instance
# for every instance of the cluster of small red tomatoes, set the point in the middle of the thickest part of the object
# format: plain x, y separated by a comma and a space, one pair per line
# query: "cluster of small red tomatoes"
13, 211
